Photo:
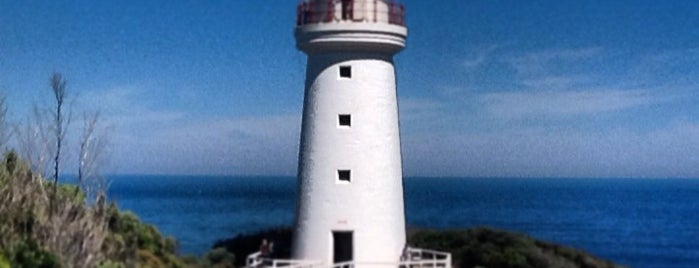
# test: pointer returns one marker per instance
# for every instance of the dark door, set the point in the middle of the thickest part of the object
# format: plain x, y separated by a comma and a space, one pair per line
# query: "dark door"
342, 246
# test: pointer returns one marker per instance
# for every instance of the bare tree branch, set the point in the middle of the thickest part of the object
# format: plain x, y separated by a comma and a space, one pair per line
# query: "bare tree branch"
33, 140
5, 131
93, 143
60, 124
65, 225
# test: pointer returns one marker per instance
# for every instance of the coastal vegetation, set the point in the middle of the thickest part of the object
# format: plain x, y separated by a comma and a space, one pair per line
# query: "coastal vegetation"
487, 247
45, 222
78, 233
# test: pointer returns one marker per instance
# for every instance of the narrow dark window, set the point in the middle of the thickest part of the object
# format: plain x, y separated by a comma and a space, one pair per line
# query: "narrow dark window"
346, 71
344, 175
344, 120
347, 12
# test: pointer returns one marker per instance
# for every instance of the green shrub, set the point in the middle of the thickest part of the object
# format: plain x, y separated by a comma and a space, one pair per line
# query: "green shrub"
244, 244
28, 255
40, 229
131, 239
10, 163
4, 262
110, 264
219, 257
485, 247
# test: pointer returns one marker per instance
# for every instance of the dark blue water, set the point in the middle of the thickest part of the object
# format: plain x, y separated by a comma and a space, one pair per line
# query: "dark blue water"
637, 222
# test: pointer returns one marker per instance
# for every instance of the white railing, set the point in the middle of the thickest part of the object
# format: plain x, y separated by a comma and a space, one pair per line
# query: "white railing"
413, 258
257, 260
253, 260
417, 257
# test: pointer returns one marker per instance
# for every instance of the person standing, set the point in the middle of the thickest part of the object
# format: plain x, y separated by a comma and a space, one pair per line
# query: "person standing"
264, 249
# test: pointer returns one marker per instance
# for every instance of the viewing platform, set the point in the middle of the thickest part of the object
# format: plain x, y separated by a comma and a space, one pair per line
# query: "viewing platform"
350, 25
368, 11
413, 258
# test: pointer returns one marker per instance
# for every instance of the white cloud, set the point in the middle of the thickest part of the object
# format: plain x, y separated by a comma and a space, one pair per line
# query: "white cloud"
540, 152
127, 108
553, 81
150, 139
676, 67
479, 57
249, 145
244, 145
493, 129
535, 63
522, 104
417, 108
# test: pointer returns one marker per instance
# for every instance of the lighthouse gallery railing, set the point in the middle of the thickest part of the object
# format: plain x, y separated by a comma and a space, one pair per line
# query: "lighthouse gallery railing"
414, 258
326, 11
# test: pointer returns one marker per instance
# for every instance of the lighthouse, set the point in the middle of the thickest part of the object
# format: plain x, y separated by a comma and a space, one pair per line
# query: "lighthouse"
350, 185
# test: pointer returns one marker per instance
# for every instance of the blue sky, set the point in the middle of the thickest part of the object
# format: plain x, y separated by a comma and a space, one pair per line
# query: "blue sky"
486, 88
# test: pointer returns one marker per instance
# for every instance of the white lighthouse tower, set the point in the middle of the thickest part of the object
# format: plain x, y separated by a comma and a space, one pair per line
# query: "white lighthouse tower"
350, 200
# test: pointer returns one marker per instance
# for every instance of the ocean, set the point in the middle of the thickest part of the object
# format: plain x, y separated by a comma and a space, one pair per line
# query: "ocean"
635, 222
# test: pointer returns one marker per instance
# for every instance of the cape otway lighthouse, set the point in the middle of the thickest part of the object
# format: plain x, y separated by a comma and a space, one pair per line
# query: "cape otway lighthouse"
350, 204
350, 209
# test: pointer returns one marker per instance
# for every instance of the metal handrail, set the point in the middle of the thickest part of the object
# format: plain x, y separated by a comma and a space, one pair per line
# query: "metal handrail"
315, 12
257, 260
253, 259
418, 257
415, 257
